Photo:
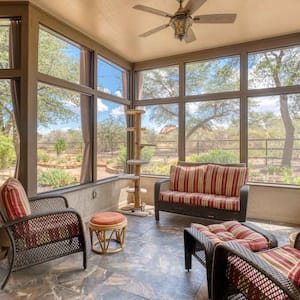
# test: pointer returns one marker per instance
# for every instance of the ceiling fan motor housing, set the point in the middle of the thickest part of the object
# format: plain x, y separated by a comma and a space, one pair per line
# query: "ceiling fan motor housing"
181, 23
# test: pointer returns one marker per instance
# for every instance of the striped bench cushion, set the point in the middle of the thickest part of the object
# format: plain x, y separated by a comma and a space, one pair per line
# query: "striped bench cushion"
187, 179
286, 260
200, 199
14, 201
233, 231
226, 181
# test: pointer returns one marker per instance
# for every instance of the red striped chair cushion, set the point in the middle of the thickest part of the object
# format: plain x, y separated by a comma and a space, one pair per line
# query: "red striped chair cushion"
199, 199
15, 203
233, 231
286, 260
226, 181
187, 179
294, 274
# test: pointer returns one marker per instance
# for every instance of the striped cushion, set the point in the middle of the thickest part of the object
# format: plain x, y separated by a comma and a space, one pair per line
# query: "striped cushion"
14, 200
233, 231
284, 259
187, 179
294, 274
226, 181
199, 199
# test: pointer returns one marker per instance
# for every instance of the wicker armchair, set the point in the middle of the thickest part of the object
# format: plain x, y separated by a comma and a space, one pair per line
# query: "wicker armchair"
52, 230
199, 246
241, 274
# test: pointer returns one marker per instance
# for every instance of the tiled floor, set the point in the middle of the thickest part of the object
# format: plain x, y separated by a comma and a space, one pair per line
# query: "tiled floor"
150, 267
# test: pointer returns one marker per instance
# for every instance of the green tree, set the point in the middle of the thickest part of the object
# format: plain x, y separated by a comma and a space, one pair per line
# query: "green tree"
7, 152
112, 134
54, 105
199, 78
60, 146
278, 68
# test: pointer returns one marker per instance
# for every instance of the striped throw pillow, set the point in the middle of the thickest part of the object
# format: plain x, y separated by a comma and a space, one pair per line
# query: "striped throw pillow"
187, 179
220, 180
294, 274
14, 201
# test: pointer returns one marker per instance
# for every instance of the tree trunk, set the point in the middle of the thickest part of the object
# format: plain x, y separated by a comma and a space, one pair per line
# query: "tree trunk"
289, 132
285, 115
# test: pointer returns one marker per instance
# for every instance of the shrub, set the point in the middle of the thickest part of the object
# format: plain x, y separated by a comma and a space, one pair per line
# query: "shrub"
43, 156
78, 158
60, 146
276, 170
7, 152
216, 156
147, 154
55, 178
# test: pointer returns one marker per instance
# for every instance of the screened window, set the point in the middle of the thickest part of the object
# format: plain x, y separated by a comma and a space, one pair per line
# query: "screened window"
212, 131
10, 42
59, 57
8, 132
160, 137
112, 79
60, 151
274, 68
111, 139
212, 76
4, 43
158, 83
274, 139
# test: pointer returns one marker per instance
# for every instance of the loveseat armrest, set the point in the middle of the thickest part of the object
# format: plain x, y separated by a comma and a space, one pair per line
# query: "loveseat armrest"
244, 192
160, 185
237, 270
47, 203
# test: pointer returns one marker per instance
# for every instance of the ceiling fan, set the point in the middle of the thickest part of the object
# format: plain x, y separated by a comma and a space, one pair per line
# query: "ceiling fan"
182, 20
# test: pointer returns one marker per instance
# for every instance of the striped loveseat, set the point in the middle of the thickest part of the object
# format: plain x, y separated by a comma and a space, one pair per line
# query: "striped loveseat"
214, 191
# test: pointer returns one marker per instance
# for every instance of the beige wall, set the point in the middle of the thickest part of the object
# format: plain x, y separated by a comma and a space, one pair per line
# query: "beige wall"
278, 204
108, 196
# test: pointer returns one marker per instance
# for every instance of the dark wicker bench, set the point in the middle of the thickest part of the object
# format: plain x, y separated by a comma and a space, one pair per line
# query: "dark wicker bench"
253, 279
197, 245
196, 210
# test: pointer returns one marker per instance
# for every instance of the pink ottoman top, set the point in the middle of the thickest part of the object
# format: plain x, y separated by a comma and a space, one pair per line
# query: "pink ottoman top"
108, 218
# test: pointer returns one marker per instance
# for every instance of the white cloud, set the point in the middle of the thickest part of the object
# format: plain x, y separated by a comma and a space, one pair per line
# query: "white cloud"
101, 106
106, 90
118, 94
118, 111
193, 107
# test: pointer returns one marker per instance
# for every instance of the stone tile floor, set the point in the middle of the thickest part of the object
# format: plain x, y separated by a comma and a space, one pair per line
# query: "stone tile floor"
150, 267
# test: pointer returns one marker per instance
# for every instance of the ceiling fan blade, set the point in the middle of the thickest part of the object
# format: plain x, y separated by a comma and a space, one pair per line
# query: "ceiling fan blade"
193, 5
152, 10
156, 29
189, 36
215, 18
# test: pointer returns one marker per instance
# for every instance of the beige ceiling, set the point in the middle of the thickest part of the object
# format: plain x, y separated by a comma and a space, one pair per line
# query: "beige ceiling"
114, 24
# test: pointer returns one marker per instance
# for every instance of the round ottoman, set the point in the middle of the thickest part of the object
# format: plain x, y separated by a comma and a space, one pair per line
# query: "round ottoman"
109, 228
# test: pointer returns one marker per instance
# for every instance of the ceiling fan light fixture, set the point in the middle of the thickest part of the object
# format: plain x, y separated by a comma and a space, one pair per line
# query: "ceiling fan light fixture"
181, 24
